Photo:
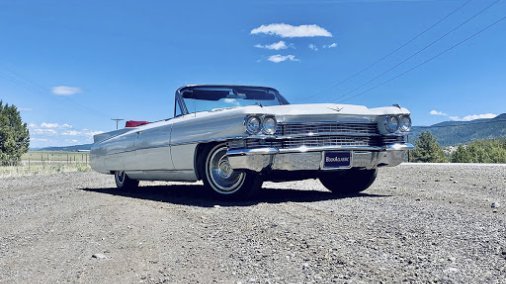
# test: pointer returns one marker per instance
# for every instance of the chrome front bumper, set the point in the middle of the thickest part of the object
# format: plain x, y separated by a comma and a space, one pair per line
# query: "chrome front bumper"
304, 158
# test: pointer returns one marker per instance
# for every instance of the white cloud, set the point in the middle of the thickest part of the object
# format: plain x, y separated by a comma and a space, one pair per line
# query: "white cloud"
49, 125
274, 46
280, 58
439, 113
71, 133
43, 131
313, 47
289, 31
83, 132
65, 90
56, 134
38, 140
463, 118
473, 117
333, 45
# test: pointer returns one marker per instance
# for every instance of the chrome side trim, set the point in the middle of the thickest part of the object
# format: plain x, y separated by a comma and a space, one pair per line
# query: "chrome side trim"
164, 175
257, 151
225, 139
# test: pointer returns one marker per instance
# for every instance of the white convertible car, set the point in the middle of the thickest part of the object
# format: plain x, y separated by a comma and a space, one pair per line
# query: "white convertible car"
235, 137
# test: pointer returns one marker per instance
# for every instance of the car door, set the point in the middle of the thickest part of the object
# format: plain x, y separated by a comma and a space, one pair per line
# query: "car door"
152, 147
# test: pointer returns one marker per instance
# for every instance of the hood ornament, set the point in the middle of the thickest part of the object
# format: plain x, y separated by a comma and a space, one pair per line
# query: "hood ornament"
337, 108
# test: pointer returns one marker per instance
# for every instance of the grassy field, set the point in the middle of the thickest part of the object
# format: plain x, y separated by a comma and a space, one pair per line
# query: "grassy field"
45, 162
67, 157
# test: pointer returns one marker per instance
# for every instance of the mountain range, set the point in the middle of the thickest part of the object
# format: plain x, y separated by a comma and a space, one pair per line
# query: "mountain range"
450, 133
73, 148
447, 133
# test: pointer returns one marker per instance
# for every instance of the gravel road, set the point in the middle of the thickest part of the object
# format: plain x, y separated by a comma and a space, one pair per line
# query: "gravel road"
417, 223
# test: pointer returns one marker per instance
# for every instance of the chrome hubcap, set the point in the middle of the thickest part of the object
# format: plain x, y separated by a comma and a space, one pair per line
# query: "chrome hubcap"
224, 179
224, 169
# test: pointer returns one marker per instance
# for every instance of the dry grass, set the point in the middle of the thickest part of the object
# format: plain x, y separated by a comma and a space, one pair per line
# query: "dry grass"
45, 163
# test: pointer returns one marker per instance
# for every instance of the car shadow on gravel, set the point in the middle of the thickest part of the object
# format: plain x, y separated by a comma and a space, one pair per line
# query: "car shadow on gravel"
194, 195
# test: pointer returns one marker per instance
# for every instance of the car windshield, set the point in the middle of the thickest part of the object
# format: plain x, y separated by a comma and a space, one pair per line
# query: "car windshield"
213, 98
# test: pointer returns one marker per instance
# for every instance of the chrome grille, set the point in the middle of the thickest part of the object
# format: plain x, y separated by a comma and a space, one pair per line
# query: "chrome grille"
393, 139
258, 143
323, 141
326, 128
322, 134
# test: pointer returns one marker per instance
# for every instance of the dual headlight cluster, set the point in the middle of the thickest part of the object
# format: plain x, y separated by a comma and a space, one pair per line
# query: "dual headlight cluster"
256, 124
395, 123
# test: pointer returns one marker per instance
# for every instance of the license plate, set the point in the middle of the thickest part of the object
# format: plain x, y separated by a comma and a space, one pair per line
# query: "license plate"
337, 160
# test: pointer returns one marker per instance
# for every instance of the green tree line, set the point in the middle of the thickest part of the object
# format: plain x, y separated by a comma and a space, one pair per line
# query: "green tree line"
485, 151
428, 150
14, 135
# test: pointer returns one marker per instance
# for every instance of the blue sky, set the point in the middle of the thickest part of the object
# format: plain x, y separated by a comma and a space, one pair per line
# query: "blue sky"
71, 66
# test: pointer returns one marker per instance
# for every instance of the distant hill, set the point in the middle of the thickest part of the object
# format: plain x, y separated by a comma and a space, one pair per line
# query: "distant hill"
74, 148
462, 132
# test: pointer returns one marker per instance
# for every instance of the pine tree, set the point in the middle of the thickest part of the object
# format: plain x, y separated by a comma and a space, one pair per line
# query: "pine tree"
427, 150
14, 135
461, 155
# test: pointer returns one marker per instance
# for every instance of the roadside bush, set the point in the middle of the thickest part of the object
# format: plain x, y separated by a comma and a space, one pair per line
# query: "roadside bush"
485, 151
14, 135
427, 150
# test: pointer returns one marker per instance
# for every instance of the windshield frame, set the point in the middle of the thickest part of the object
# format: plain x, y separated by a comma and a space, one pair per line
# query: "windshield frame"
179, 100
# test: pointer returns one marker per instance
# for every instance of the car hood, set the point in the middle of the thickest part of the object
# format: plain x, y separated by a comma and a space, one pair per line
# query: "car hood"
312, 109
302, 109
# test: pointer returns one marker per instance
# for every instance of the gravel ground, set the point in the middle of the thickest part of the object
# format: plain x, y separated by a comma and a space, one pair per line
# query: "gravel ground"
417, 223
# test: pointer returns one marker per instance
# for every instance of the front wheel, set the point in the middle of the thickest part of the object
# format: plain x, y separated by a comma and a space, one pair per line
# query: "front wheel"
124, 182
348, 182
224, 182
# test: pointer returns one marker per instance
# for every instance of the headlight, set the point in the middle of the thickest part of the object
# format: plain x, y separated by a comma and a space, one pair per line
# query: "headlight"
404, 123
391, 123
253, 125
269, 125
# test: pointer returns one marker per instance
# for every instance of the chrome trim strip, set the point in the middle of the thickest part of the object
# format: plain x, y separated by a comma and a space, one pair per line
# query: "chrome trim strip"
217, 140
271, 150
399, 147
258, 151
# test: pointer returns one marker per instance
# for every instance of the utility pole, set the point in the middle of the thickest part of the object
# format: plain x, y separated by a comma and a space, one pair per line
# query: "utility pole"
117, 120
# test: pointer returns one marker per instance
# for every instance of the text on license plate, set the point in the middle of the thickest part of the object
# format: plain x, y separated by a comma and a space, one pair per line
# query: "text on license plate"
337, 159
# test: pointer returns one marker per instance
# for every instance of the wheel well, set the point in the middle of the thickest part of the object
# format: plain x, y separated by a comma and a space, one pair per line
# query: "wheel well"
200, 157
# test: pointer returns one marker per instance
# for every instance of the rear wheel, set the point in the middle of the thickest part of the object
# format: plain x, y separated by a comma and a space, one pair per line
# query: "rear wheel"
224, 182
123, 182
348, 182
